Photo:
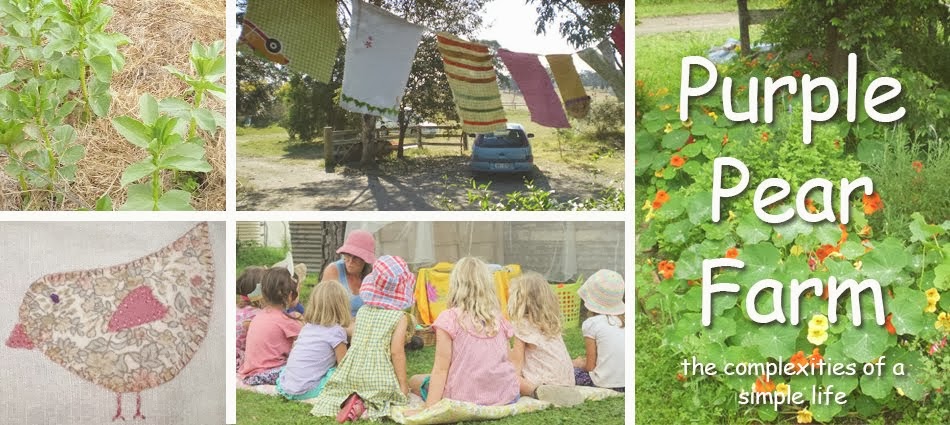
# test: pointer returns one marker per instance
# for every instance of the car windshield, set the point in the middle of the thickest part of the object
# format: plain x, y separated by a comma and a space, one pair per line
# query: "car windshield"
514, 139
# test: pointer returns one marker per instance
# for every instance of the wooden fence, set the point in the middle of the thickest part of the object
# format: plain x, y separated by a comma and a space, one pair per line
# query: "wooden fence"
751, 17
337, 144
427, 135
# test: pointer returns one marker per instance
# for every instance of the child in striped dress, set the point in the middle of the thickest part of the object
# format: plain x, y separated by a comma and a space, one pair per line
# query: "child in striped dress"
471, 344
375, 364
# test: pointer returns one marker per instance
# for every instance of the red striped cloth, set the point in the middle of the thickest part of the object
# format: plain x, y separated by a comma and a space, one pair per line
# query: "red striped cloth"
536, 87
471, 76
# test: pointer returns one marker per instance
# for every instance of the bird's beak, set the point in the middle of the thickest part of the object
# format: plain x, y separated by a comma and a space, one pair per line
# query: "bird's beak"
19, 339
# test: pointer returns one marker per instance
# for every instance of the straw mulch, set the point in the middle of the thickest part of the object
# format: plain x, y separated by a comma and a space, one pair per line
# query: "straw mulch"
161, 33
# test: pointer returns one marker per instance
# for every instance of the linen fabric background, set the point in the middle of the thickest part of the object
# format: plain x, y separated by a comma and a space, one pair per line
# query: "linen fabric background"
35, 390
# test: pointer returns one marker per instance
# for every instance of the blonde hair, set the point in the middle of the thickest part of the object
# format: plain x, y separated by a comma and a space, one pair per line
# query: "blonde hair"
329, 305
472, 290
531, 300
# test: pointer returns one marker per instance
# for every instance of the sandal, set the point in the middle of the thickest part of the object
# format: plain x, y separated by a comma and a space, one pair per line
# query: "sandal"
351, 409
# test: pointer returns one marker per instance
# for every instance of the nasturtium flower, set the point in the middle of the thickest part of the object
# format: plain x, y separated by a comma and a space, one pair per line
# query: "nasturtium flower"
810, 206
899, 391
712, 114
818, 322
798, 359
815, 357
932, 297
796, 250
917, 166
764, 385
677, 161
782, 388
666, 269
889, 326
668, 128
732, 253
872, 203
943, 322
817, 337
803, 416
824, 251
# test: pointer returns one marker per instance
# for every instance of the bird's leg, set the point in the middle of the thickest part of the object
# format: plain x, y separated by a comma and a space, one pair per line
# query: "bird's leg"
118, 407
138, 407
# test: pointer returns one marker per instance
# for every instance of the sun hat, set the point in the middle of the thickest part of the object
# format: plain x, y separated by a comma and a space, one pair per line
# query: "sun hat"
390, 285
300, 271
602, 292
361, 244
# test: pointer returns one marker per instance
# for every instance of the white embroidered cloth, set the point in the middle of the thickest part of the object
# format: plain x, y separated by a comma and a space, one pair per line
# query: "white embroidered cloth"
42, 391
379, 54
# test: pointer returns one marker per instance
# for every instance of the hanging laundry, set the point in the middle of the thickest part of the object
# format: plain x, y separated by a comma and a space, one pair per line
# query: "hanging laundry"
576, 100
604, 66
471, 76
302, 35
379, 53
536, 87
617, 35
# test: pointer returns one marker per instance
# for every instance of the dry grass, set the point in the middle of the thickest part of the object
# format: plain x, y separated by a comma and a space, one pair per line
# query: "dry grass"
161, 32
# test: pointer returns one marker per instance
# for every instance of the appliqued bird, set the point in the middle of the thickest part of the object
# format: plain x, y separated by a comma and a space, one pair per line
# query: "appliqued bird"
128, 327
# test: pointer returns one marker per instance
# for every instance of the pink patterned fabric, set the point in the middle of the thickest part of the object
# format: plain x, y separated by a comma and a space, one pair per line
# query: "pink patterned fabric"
245, 314
536, 86
137, 308
481, 371
390, 285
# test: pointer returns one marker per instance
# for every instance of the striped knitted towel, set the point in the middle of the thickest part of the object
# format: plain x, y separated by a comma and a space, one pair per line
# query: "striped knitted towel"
536, 87
302, 35
379, 54
471, 76
604, 66
576, 100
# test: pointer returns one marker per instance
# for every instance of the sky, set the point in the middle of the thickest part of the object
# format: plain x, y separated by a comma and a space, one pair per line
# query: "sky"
511, 23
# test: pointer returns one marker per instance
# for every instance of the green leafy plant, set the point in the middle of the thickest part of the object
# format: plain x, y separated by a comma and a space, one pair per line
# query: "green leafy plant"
161, 135
208, 66
534, 198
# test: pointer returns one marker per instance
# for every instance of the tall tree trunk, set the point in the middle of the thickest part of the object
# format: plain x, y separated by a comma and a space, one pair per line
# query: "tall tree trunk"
835, 56
333, 238
745, 45
368, 160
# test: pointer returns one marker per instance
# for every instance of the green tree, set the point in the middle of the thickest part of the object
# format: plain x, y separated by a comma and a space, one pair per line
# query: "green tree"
586, 22
258, 82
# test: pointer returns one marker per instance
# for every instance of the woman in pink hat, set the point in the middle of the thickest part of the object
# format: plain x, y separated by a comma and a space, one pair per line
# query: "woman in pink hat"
359, 254
603, 364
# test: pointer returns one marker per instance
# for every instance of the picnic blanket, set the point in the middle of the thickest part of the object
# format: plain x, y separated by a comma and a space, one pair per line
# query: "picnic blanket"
471, 75
452, 411
379, 56
303, 35
536, 86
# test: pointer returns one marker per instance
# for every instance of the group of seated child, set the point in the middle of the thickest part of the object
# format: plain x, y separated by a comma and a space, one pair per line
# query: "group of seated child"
480, 357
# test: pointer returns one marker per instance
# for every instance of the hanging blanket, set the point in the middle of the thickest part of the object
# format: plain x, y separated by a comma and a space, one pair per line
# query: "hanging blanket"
576, 100
617, 35
302, 35
604, 66
379, 55
471, 76
536, 88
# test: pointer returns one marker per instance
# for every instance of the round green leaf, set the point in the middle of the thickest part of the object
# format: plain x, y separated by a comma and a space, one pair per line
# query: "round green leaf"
885, 262
752, 230
907, 309
776, 340
864, 343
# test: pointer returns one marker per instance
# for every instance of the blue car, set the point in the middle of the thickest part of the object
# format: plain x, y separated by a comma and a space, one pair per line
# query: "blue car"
503, 151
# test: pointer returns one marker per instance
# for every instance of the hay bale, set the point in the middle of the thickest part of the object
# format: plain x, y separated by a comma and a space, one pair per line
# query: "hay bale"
161, 33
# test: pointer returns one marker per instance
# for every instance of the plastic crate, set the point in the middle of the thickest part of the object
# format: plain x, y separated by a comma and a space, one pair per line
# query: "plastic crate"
569, 302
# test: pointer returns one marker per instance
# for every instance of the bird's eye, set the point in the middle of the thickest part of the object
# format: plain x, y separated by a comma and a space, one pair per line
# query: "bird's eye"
55, 298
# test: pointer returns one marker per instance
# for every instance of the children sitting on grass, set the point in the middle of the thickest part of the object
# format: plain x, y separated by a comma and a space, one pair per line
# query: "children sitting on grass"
538, 352
603, 366
321, 345
248, 305
272, 332
375, 364
471, 344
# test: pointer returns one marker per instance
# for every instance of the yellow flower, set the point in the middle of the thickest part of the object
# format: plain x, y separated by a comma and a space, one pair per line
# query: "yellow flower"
648, 205
712, 114
732, 216
818, 322
943, 322
932, 297
796, 250
817, 336
900, 391
804, 416
668, 128
688, 123
665, 107
858, 264
782, 388
659, 173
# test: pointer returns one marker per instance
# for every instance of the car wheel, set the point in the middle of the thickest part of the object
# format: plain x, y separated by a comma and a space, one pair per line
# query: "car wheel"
273, 45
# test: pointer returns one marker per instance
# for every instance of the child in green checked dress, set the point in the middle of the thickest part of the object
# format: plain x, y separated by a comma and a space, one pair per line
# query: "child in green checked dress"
375, 364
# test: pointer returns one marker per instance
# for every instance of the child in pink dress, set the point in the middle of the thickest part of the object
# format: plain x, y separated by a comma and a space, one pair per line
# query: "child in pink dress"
248, 305
471, 345
538, 352
272, 332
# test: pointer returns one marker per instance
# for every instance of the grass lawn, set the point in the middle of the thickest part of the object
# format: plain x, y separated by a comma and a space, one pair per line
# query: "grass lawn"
253, 408
651, 8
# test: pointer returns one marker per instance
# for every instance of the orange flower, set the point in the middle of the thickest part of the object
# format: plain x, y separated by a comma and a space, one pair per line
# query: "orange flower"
824, 251
872, 203
677, 161
889, 325
660, 199
798, 359
810, 206
796, 73
815, 357
764, 385
732, 253
725, 139
680, 377
844, 235
865, 231
666, 269
917, 166
765, 136
656, 205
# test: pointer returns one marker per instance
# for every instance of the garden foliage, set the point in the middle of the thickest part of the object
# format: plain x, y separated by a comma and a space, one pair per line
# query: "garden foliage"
912, 264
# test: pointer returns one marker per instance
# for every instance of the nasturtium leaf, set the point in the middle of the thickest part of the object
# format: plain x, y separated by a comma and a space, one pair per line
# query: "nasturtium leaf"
699, 207
914, 380
672, 208
864, 343
720, 329
716, 231
919, 229
675, 139
776, 340
866, 406
885, 262
691, 150
907, 311
827, 233
875, 386
761, 261
767, 413
824, 412
752, 230
175, 200
677, 232
852, 250
689, 265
